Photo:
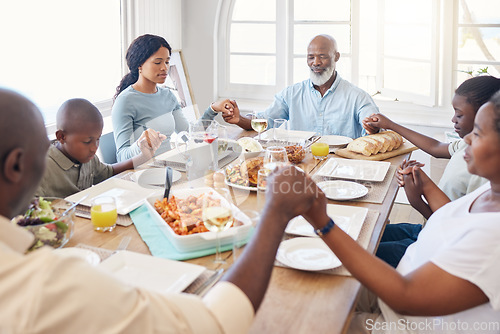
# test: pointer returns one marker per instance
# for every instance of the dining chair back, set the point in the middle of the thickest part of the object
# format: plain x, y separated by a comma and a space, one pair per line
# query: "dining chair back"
107, 147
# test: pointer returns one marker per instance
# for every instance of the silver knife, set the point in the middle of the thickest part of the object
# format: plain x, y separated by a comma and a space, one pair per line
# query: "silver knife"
168, 181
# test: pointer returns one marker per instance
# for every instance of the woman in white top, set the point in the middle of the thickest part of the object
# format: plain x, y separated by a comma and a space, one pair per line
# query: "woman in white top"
449, 279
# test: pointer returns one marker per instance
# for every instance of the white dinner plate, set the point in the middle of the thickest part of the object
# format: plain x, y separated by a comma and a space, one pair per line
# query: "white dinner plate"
237, 186
153, 273
339, 190
355, 169
128, 194
294, 135
154, 178
311, 254
336, 141
91, 257
349, 218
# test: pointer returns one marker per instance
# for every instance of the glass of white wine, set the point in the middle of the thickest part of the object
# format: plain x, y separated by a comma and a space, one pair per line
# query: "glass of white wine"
259, 123
217, 215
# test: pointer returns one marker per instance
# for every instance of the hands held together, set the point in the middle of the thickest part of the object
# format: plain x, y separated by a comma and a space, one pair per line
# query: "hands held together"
149, 141
229, 109
373, 123
290, 192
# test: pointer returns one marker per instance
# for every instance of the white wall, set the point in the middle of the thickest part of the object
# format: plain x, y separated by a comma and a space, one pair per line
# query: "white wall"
159, 17
198, 25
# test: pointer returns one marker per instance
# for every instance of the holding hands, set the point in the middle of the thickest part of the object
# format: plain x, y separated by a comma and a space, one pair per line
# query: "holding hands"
373, 123
229, 109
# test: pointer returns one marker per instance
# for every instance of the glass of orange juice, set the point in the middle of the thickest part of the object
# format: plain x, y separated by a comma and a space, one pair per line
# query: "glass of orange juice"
103, 213
320, 150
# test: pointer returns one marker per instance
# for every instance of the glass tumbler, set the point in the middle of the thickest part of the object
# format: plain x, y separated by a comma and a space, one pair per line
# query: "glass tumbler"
103, 213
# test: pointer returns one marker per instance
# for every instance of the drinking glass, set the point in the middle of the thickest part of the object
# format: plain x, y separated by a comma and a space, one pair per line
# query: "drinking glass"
320, 150
222, 139
217, 214
275, 156
280, 130
259, 124
103, 213
262, 175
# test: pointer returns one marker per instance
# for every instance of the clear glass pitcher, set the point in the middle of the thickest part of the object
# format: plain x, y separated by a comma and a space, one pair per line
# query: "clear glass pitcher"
199, 147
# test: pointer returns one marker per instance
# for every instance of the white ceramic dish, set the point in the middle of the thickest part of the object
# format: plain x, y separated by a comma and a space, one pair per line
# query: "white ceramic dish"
339, 190
154, 178
336, 141
153, 273
355, 169
310, 254
250, 145
128, 194
197, 241
237, 186
294, 135
85, 254
348, 218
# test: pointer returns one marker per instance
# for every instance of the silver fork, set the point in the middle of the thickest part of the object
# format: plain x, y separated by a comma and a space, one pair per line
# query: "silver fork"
203, 288
123, 243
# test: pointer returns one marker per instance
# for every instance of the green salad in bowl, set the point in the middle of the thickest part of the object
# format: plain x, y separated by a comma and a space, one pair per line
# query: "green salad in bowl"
44, 218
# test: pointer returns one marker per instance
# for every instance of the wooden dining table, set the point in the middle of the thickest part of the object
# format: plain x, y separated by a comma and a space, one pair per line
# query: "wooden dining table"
296, 301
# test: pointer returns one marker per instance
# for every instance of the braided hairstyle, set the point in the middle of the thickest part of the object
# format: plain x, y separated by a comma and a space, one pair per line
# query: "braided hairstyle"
495, 100
478, 90
138, 52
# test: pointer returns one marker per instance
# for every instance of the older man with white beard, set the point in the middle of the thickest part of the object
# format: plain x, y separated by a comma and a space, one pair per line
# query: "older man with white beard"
325, 103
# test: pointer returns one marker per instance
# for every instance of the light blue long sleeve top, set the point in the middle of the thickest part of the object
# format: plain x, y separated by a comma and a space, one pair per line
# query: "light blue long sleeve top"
133, 111
339, 112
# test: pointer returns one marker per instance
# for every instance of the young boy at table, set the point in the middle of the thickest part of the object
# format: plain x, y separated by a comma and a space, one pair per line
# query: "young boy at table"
72, 163
456, 180
448, 281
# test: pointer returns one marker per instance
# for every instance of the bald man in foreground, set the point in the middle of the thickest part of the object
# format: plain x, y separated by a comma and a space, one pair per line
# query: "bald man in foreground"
41, 292
325, 103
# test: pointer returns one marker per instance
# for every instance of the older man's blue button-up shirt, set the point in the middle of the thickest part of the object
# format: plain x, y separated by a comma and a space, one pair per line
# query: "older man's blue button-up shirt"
339, 112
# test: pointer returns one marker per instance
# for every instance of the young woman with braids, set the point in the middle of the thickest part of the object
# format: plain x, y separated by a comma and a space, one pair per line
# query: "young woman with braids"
456, 180
139, 102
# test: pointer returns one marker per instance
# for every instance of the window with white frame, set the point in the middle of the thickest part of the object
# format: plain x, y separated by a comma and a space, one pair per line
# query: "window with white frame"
398, 50
54, 50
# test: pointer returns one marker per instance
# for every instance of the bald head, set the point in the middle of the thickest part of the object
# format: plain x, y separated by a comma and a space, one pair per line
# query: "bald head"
326, 42
322, 56
21, 123
23, 148
75, 112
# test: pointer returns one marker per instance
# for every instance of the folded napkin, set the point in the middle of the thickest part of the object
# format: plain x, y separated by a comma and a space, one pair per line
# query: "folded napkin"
157, 241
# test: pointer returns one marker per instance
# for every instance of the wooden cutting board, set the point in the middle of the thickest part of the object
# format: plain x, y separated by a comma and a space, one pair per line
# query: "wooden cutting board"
405, 148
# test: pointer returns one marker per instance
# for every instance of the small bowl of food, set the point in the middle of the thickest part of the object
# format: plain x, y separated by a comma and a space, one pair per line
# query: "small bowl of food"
295, 151
44, 218
250, 147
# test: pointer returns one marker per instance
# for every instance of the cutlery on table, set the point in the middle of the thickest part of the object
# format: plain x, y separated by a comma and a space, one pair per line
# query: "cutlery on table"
168, 181
73, 205
203, 288
123, 243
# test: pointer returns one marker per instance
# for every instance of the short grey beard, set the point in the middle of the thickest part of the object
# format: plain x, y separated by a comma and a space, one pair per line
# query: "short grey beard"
321, 79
